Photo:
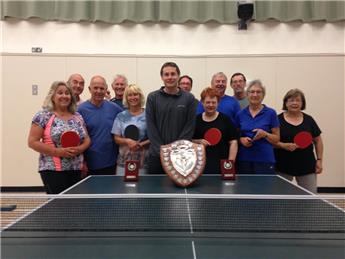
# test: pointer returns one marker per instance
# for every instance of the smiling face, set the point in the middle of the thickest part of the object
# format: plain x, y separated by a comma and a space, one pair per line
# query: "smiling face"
210, 104
98, 89
219, 83
294, 104
61, 98
238, 84
255, 95
185, 84
170, 77
119, 85
133, 99
76, 82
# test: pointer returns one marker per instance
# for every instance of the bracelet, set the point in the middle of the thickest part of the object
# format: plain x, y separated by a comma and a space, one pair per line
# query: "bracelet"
319, 159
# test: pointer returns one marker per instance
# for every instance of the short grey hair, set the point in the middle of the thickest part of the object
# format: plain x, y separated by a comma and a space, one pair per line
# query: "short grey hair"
256, 82
48, 103
219, 74
120, 76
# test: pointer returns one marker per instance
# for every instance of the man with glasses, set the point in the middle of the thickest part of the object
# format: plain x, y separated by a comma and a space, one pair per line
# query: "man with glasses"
238, 84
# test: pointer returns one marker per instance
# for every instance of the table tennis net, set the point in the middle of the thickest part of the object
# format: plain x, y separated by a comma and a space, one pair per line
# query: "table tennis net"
167, 214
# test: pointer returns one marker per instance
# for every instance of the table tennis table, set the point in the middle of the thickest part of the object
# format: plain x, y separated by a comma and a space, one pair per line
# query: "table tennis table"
154, 218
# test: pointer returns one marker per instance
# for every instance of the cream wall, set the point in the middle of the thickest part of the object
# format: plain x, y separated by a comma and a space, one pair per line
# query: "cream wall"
284, 56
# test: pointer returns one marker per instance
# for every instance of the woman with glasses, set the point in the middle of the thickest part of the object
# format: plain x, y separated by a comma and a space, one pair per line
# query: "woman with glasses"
259, 130
293, 161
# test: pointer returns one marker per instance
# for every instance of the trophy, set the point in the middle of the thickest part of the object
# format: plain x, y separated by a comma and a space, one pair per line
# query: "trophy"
227, 168
132, 166
183, 161
131, 171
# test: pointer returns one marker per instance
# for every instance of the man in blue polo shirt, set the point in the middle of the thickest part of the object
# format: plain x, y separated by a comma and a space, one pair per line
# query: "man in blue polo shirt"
227, 104
99, 116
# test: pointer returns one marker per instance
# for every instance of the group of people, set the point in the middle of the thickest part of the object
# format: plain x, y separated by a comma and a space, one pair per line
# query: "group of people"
253, 135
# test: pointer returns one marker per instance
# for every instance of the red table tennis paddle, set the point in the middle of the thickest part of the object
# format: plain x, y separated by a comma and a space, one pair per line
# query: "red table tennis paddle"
213, 136
132, 132
303, 139
70, 139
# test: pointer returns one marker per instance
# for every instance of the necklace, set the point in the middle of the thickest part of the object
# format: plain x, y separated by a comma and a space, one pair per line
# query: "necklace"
208, 118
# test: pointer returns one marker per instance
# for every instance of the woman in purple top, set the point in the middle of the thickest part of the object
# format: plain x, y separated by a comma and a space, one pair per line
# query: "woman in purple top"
59, 167
259, 130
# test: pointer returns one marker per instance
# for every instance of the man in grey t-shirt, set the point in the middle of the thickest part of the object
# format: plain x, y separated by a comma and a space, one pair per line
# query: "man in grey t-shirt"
170, 115
238, 84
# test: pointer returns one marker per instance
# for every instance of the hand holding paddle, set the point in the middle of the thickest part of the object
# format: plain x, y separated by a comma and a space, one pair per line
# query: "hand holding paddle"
213, 136
132, 134
70, 141
289, 146
303, 139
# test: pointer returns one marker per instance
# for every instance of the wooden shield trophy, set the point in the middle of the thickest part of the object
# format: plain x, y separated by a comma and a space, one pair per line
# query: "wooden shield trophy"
183, 161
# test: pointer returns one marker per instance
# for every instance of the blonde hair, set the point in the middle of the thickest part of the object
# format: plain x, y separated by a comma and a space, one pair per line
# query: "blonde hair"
48, 102
133, 88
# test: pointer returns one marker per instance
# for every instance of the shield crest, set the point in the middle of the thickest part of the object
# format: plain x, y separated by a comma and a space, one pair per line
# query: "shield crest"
183, 161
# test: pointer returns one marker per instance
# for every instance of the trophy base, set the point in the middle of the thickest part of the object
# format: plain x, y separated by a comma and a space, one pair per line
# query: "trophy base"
131, 171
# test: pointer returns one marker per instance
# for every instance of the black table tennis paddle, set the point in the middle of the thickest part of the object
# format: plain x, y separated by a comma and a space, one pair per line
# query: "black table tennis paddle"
132, 132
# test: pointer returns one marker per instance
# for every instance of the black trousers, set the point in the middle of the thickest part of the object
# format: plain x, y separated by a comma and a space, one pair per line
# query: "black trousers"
58, 181
154, 165
111, 170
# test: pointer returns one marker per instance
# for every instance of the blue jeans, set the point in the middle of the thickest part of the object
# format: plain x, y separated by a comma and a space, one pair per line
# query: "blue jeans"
245, 167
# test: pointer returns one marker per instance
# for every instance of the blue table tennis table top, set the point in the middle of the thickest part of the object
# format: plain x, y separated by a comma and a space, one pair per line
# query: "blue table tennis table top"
141, 245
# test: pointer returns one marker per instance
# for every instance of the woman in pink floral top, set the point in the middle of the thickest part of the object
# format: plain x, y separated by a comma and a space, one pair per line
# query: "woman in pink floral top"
59, 167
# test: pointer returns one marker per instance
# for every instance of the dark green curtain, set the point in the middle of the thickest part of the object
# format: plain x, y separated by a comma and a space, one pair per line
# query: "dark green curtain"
199, 11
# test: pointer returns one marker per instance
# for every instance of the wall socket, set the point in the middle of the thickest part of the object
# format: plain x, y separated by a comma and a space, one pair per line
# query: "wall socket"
34, 89
36, 50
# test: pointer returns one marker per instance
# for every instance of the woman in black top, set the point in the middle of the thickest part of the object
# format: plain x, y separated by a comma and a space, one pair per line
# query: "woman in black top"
211, 118
293, 161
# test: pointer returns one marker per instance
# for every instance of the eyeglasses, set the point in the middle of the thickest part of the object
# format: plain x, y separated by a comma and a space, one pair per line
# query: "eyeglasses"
294, 100
255, 92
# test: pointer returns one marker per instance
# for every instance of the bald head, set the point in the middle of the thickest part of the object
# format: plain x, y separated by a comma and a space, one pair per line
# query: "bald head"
98, 88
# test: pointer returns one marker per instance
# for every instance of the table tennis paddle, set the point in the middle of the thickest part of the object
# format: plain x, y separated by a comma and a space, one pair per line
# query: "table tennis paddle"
303, 139
213, 136
8, 207
132, 132
70, 139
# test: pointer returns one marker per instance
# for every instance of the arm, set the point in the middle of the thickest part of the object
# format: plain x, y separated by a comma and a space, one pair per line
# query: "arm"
34, 142
272, 138
319, 154
287, 146
144, 143
121, 141
83, 146
152, 130
233, 149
